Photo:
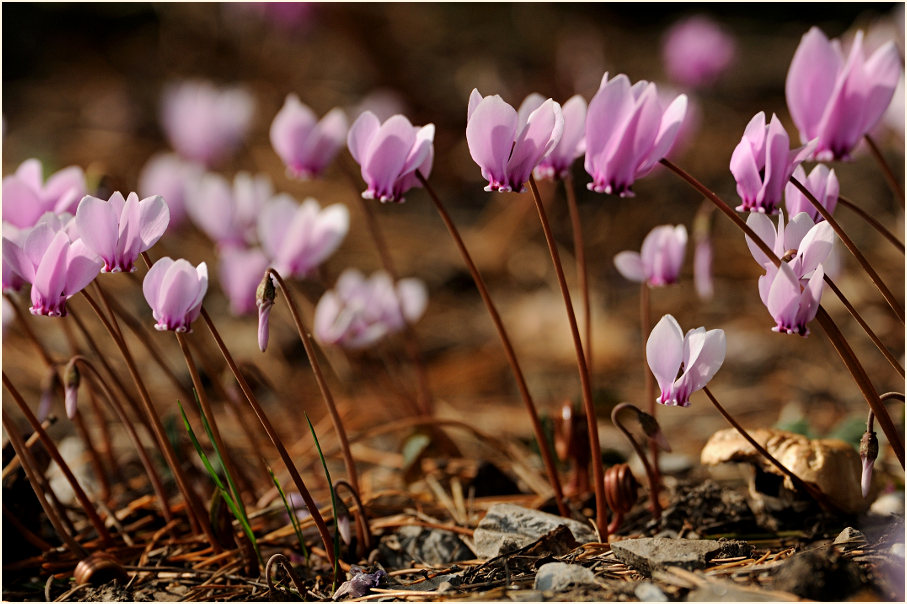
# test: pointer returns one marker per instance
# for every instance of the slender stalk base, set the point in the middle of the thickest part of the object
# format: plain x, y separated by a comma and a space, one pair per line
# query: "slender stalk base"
890, 178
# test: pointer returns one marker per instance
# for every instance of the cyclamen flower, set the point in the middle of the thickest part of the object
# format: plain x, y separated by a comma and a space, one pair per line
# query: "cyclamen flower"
837, 100
762, 164
26, 197
389, 154
171, 177
790, 303
204, 123
697, 51
506, 145
120, 229
299, 237
813, 243
556, 164
628, 130
174, 290
358, 311
57, 264
699, 354
306, 145
240, 273
226, 214
822, 183
659, 261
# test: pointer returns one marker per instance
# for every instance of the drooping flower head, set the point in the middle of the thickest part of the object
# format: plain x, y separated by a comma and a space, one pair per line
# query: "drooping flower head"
305, 144
26, 197
56, 262
788, 301
658, 262
171, 177
298, 237
506, 145
628, 130
240, 272
837, 99
762, 164
807, 244
389, 154
174, 290
358, 311
697, 51
821, 182
556, 164
119, 229
698, 354
205, 123
228, 214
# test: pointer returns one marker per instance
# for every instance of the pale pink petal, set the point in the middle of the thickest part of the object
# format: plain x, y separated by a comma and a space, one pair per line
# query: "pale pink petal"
629, 265
360, 135
490, 134
811, 80
664, 351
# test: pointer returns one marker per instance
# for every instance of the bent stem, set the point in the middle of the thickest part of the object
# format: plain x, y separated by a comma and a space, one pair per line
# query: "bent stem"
799, 483
834, 334
275, 438
878, 226
597, 469
547, 457
120, 412
849, 244
319, 378
651, 474
582, 271
51, 448
365, 535
37, 484
893, 183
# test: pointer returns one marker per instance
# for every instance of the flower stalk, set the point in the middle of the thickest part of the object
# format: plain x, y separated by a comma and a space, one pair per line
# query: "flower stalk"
878, 226
890, 178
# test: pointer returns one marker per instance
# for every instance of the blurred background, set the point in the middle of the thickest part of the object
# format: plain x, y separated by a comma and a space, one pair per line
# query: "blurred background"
83, 83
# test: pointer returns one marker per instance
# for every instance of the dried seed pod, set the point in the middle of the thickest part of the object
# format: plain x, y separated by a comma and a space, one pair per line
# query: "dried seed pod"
99, 568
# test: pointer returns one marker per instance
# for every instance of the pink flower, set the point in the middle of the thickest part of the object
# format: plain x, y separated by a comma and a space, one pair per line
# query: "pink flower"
702, 268
556, 164
26, 197
306, 145
174, 290
697, 51
240, 273
811, 243
204, 123
822, 183
228, 215
171, 177
506, 145
358, 312
699, 354
389, 154
299, 237
120, 229
12, 280
659, 261
789, 302
57, 264
835, 99
628, 130
762, 164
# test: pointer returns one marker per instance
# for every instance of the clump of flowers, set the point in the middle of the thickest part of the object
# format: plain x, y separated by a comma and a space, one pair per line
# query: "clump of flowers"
228, 214
26, 196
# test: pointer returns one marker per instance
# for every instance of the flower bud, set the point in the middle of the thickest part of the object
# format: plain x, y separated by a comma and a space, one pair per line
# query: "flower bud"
264, 300
49, 388
869, 450
71, 381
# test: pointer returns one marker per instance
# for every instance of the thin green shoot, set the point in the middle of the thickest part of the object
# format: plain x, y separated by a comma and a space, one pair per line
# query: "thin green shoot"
327, 475
293, 520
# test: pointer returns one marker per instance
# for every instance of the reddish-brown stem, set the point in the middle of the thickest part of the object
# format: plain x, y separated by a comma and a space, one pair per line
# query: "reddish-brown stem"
547, 457
275, 438
878, 226
645, 325
319, 378
652, 475
120, 412
26, 533
582, 270
21, 318
93, 457
598, 473
197, 515
37, 484
13, 464
890, 178
799, 483
103, 298
834, 334
51, 448
869, 332
849, 244
365, 535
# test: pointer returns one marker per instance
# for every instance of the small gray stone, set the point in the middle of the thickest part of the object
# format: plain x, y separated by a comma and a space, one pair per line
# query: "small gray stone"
507, 527
727, 592
850, 538
647, 591
425, 546
651, 553
559, 576
897, 549
888, 504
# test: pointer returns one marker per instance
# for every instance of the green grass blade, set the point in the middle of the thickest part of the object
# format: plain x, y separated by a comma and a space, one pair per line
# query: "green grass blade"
327, 475
293, 520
